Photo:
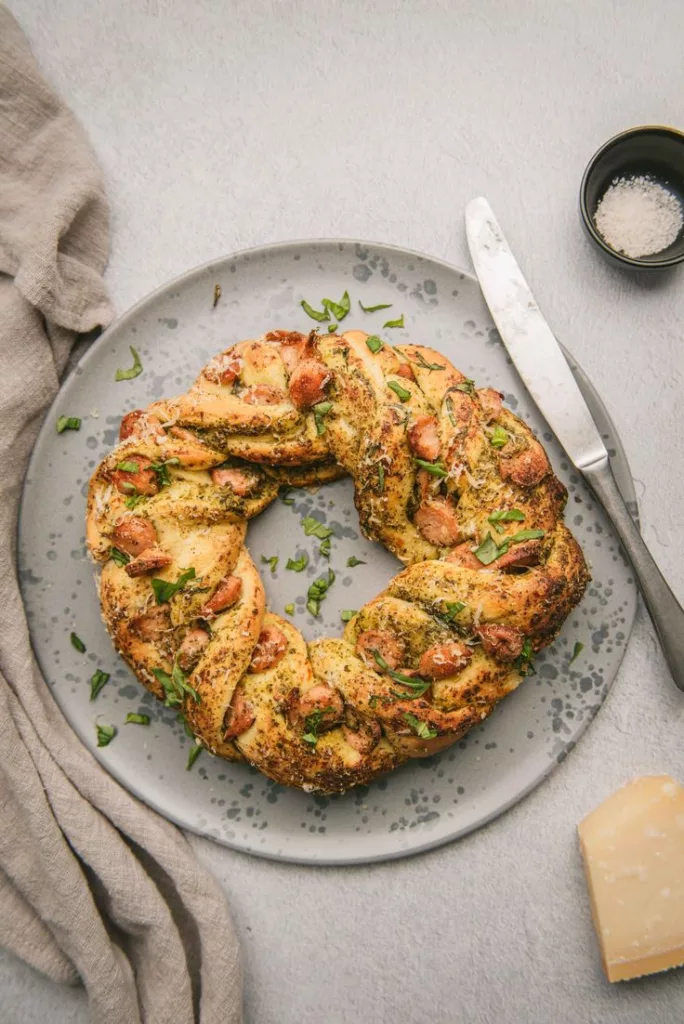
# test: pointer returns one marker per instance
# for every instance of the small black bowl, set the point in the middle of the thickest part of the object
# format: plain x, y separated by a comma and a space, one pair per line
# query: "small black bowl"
653, 150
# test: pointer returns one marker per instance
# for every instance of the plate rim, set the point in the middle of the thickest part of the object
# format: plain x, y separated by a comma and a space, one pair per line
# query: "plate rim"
93, 349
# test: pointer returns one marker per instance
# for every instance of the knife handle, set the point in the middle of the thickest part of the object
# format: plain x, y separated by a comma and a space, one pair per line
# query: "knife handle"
665, 610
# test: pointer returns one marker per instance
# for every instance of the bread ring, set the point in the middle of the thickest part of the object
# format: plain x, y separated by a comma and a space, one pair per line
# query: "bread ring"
450, 481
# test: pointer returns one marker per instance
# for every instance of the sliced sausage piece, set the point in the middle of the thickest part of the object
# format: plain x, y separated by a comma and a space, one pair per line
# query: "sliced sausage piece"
150, 560
243, 482
459, 408
134, 535
405, 370
141, 481
322, 700
445, 659
190, 650
223, 369
308, 382
226, 594
525, 468
292, 346
138, 423
490, 403
263, 394
182, 434
426, 483
153, 624
463, 555
239, 716
363, 735
436, 521
520, 555
388, 646
270, 648
423, 437
505, 643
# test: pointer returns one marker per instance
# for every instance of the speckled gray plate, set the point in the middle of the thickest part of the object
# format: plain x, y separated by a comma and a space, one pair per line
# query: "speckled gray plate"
425, 803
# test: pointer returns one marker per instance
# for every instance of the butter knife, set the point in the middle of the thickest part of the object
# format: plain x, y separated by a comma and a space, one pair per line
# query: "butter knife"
543, 368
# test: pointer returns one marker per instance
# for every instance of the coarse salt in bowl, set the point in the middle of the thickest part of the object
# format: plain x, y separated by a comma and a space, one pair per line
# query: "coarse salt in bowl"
632, 198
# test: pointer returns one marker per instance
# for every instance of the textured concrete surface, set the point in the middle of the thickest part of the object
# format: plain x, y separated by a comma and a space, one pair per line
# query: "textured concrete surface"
228, 124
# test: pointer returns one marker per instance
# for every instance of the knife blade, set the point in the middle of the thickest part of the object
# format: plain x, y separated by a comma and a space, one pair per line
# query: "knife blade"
529, 339
547, 376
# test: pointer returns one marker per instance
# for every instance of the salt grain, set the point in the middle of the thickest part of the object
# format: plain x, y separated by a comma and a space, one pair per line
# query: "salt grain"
638, 217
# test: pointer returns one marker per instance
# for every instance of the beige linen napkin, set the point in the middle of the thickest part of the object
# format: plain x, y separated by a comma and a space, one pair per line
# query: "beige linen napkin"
94, 887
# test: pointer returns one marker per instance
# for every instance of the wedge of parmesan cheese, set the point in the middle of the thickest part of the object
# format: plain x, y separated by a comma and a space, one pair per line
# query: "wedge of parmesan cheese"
633, 850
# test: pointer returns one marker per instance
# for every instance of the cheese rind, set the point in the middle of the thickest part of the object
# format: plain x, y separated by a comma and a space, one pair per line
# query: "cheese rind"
633, 850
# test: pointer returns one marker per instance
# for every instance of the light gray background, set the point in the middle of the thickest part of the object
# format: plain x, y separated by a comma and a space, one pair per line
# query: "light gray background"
236, 122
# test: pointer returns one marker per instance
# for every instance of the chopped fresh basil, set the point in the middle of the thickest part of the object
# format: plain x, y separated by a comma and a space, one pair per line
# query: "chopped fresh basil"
181, 683
422, 729
488, 550
325, 547
395, 323
217, 296
128, 466
289, 609
180, 717
524, 535
320, 411
160, 468
453, 608
119, 557
402, 394
524, 662
68, 423
164, 591
312, 724
435, 468
317, 591
175, 686
133, 500
467, 385
315, 528
133, 719
381, 476
576, 651
97, 681
315, 314
298, 564
105, 734
374, 343
374, 309
194, 752
284, 495
347, 615
353, 560
332, 328
272, 561
421, 361
499, 437
77, 643
416, 684
513, 515
134, 371
338, 309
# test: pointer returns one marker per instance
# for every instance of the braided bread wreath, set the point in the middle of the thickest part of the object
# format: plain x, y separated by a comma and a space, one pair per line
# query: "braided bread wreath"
441, 471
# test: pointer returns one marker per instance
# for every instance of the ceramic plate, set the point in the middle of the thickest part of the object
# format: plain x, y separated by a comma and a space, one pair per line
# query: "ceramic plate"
176, 330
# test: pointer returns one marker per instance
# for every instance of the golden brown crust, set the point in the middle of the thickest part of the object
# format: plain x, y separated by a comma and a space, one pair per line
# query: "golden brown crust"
447, 479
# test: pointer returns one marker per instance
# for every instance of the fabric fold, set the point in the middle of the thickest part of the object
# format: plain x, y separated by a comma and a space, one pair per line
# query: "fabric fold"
95, 888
